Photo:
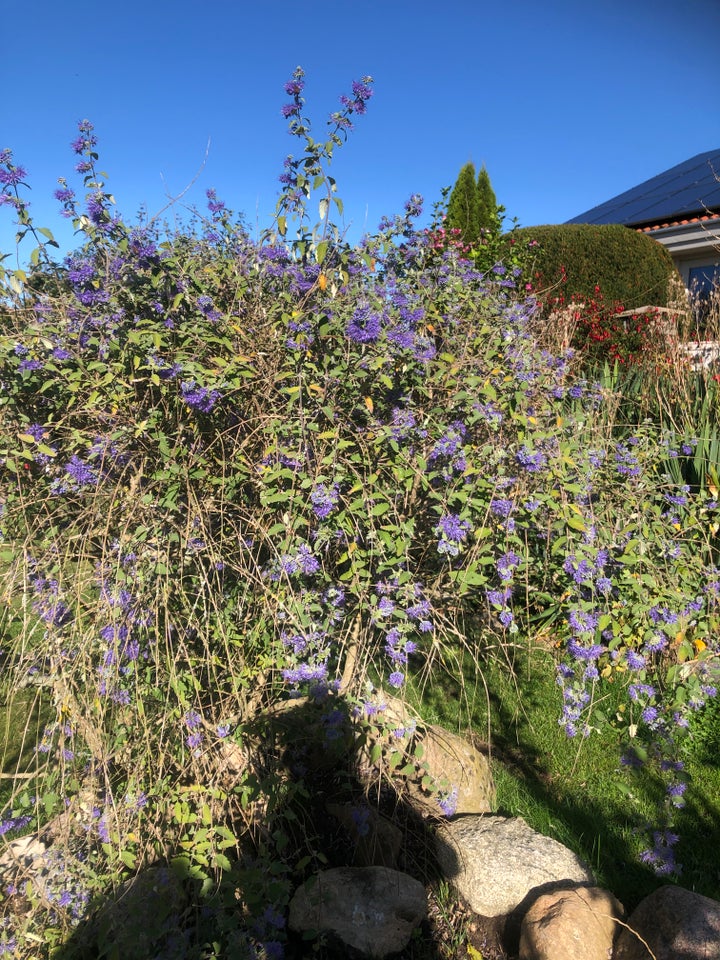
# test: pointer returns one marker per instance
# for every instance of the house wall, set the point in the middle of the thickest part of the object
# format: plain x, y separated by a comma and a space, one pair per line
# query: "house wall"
691, 245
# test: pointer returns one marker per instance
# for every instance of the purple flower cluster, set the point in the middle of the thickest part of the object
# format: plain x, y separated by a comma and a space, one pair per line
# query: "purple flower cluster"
411, 611
48, 604
199, 398
448, 801
361, 93
489, 413
661, 856
193, 724
207, 308
533, 461
404, 424
365, 324
575, 699
324, 499
506, 565
303, 563
9, 824
626, 461
214, 205
448, 453
86, 141
451, 531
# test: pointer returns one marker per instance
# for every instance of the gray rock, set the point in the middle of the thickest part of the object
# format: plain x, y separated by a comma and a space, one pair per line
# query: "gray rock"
574, 924
672, 924
370, 909
494, 862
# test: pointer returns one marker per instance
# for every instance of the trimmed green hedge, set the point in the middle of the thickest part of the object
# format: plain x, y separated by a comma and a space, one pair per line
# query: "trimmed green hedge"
628, 267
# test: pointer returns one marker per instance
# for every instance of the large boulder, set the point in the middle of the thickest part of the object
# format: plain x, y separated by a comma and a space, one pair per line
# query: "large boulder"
495, 862
671, 924
373, 910
574, 924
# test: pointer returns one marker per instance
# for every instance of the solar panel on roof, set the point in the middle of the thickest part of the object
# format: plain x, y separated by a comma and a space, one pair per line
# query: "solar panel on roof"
690, 188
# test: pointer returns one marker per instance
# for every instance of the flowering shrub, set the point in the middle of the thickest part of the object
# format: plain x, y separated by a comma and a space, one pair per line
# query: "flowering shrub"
234, 474
602, 333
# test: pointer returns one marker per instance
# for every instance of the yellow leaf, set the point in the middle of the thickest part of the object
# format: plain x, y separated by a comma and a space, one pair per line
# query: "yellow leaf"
368, 403
699, 645
473, 954
322, 281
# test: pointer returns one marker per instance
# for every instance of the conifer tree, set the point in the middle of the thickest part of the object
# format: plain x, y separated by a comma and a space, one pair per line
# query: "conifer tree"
488, 211
462, 212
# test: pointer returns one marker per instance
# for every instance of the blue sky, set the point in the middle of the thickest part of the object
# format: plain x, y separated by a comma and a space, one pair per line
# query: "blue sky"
566, 102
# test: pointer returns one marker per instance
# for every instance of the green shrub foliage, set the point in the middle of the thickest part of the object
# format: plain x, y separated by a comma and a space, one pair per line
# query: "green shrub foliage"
489, 214
463, 208
575, 260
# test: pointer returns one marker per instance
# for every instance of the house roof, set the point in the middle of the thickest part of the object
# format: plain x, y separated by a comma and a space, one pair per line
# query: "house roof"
688, 191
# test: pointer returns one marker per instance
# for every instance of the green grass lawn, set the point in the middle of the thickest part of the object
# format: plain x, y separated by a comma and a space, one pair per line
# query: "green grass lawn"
23, 715
575, 790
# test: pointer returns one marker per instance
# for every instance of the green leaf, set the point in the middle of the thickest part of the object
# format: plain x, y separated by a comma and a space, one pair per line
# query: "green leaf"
321, 251
128, 858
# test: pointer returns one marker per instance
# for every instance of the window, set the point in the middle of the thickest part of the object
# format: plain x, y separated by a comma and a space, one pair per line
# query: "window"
702, 280
704, 286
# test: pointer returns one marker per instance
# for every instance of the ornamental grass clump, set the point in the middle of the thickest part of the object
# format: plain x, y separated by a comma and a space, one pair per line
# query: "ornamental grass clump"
244, 477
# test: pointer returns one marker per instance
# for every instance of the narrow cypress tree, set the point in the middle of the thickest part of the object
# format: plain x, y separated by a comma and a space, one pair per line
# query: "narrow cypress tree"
462, 212
488, 214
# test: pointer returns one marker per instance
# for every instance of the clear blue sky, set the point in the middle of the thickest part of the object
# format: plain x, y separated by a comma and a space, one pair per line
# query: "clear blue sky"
567, 102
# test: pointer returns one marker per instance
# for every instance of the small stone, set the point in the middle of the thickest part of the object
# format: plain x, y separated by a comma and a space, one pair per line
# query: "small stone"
672, 924
572, 924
